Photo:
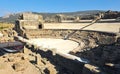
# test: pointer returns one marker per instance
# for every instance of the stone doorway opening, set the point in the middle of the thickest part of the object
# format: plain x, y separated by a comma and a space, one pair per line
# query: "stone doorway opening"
40, 26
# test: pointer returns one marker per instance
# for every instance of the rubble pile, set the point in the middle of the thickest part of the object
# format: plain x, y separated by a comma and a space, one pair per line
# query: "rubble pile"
7, 35
25, 62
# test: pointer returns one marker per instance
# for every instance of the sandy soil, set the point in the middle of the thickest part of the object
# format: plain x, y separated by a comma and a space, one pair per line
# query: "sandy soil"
64, 46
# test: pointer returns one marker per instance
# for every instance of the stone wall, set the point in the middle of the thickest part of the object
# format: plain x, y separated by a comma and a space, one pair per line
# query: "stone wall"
30, 16
28, 21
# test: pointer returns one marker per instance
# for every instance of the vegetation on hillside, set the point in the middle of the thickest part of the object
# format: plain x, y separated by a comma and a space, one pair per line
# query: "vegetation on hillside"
82, 14
6, 25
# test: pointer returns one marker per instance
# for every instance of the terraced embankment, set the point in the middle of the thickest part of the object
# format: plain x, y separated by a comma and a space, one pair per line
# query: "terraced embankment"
91, 43
100, 48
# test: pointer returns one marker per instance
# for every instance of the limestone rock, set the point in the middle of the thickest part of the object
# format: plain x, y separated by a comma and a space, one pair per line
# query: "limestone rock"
19, 66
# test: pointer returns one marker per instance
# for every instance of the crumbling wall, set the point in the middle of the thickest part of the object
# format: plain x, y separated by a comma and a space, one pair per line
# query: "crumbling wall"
30, 16
28, 21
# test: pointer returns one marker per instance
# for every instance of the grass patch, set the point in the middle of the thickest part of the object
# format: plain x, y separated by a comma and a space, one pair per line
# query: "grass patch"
6, 26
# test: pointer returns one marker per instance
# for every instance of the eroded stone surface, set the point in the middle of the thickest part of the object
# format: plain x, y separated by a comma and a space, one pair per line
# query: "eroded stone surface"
24, 63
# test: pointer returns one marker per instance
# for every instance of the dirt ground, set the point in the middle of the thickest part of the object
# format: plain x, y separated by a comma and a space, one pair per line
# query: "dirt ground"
59, 44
